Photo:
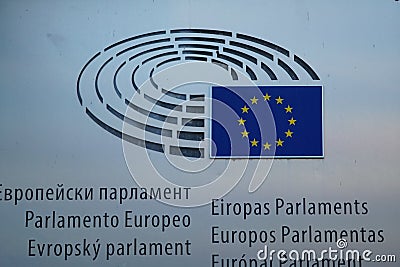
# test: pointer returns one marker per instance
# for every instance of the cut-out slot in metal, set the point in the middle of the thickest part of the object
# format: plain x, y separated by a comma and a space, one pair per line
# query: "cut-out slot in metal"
195, 109
197, 97
251, 73
134, 38
187, 151
159, 55
204, 46
194, 136
154, 146
151, 79
253, 49
133, 79
230, 59
80, 76
219, 63
234, 75
168, 61
193, 122
163, 104
151, 50
174, 95
264, 43
151, 114
306, 67
194, 58
200, 39
240, 54
115, 79
270, 73
196, 52
205, 31
97, 80
143, 44
289, 71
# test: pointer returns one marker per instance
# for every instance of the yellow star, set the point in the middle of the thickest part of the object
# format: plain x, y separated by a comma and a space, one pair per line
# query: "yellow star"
254, 100
279, 142
241, 121
254, 142
245, 109
267, 146
288, 109
292, 121
289, 133
267, 97
245, 133
279, 100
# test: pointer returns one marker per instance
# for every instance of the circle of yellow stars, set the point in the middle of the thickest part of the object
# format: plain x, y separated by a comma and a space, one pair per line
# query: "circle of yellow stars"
279, 142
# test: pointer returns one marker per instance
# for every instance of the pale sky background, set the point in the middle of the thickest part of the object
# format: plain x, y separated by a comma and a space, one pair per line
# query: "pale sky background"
46, 138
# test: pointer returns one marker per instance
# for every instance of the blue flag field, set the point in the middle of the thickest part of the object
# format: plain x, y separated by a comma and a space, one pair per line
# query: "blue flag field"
267, 122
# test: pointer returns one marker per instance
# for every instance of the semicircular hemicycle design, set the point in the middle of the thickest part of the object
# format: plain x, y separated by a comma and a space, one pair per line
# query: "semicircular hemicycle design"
123, 84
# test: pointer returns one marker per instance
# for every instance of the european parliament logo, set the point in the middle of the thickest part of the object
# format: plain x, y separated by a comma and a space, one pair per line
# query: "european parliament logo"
267, 121
152, 90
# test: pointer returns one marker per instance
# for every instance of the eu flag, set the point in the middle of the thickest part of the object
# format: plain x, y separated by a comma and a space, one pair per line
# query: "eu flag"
267, 121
